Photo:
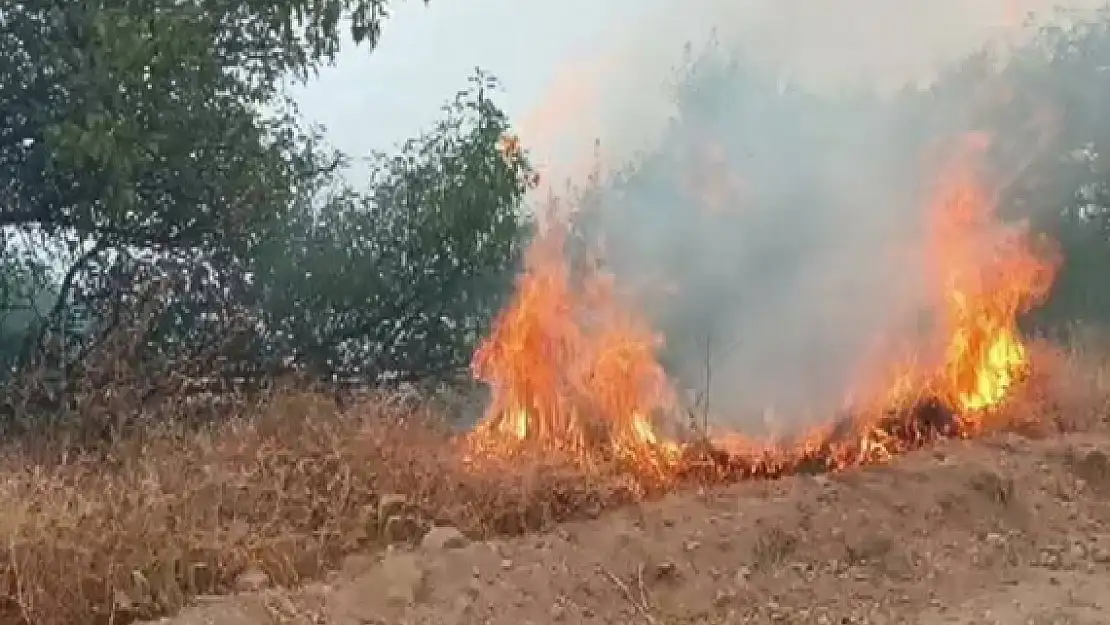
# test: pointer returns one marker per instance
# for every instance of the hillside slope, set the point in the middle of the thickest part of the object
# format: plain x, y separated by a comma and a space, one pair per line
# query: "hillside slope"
1004, 530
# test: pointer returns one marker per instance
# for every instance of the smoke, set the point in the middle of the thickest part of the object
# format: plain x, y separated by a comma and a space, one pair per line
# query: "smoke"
765, 193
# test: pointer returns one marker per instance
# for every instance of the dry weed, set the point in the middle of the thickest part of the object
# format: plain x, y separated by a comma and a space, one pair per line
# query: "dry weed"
773, 547
287, 490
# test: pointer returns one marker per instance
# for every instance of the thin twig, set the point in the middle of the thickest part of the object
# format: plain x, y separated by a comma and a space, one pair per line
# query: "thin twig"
708, 382
640, 606
643, 587
20, 594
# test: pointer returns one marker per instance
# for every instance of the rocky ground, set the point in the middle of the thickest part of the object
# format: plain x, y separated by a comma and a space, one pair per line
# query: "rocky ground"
1002, 531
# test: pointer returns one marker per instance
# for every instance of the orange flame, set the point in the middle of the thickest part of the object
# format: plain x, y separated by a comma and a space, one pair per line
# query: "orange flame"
989, 274
571, 371
574, 372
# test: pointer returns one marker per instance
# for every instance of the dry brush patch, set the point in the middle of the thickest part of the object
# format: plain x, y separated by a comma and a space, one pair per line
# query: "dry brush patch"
287, 487
283, 492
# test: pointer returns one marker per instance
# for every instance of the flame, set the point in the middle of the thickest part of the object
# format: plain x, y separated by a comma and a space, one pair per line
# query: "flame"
989, 274
573, 370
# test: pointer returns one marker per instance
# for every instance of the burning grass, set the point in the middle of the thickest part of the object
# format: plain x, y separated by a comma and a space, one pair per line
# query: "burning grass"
292, 485
287, 489
573, 369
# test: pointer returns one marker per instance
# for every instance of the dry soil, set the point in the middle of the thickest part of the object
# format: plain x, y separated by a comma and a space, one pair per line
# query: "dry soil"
1004, 530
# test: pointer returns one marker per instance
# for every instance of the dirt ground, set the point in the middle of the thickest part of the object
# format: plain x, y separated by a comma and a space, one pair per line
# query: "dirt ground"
1004, 531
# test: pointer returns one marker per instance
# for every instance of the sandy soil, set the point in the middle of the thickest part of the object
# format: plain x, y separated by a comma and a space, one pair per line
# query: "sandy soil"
1002, 531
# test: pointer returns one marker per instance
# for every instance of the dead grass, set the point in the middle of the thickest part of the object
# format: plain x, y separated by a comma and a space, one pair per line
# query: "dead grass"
290, 485
287, 491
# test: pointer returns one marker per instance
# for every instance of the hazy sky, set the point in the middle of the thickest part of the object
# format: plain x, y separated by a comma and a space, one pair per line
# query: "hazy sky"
576, 70
372, 100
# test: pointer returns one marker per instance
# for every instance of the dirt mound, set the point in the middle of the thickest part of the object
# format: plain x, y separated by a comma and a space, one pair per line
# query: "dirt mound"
1002, 530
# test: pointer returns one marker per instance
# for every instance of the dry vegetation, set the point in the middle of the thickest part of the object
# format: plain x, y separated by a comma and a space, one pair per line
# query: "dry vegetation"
288, 485
285, 487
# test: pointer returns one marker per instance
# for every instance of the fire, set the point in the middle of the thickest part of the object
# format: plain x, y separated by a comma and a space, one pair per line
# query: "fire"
573, 370
988, 274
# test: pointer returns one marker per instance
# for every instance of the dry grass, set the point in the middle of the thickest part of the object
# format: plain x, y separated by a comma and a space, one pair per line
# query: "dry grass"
287, 490
289, 486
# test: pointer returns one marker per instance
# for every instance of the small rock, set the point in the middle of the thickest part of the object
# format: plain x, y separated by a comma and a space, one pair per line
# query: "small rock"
723, 598
444, 537
1094, 467
391, 504
357, 564
209, 599
506, 564
592, 509
742, 574
691, 545
666, 570
252, 580
403, 578
121, 602
1048, 558
463, 607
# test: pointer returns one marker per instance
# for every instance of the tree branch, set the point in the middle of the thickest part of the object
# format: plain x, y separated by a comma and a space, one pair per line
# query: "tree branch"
63, 291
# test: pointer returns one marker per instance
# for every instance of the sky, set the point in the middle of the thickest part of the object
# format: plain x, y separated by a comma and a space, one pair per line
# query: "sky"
576, 71
373, 100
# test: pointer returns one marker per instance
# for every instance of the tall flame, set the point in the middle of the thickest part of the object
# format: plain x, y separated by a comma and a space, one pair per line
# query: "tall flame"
988, 275
574, 372
571, 371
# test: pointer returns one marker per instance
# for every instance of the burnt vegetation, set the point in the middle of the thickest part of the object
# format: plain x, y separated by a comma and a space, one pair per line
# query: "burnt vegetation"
206, 327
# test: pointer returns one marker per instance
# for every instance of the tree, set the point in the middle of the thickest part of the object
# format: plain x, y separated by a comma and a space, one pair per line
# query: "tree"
26, 294
405, 278
133, 132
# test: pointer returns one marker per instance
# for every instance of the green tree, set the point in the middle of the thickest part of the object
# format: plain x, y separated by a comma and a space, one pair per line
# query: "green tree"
133, 133
405, 278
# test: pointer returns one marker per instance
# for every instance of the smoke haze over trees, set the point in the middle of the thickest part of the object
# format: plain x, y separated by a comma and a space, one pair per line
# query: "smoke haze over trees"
774, 231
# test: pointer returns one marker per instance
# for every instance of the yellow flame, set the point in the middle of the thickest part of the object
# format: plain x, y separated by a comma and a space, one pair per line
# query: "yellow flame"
996, 374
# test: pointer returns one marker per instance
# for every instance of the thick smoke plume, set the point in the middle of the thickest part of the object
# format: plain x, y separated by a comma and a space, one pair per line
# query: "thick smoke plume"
763, 190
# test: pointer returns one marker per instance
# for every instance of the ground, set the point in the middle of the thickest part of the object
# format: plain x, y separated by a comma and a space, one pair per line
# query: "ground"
1004, 530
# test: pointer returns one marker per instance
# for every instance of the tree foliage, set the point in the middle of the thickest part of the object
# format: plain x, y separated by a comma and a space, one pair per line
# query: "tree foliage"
133, 129
152, 148
403, 279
